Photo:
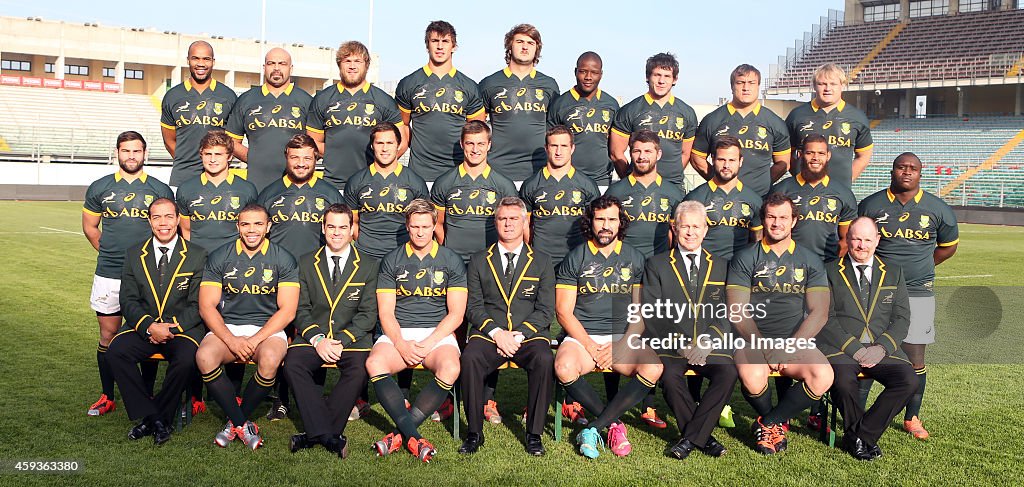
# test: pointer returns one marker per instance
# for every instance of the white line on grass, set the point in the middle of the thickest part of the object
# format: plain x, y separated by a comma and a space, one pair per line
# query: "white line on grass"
975, 276
61, 231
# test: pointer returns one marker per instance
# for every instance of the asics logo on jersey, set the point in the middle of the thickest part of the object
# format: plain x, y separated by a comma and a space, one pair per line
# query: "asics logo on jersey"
501, 94
183, 107
722, 131
807, 126
256, 111
109, 198
420, 94
336, 107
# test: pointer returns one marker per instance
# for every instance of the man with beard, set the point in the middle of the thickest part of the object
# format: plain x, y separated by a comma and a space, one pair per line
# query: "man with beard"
268, 116
436, 101
121, 202
341, 116
189, 110
733, 209
919, 231
596, 283
160, 296
661, 112
588, 112
783, 294
826, 207
249, 293
295, 203
763, 136
517, 100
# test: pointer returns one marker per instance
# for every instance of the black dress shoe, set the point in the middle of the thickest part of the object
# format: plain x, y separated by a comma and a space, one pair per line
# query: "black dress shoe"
682, 449
713, 448
875, 450
141, 430
857, 448
299, 442
534, 446
161, 433
473, 443
337, 445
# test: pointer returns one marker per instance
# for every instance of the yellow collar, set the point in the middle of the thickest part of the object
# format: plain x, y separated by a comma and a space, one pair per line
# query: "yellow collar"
732, 109
508, 72
650, 99
203, 179
118, 177
892, 197
766, 248
801, 181
239, 246
364, 89
433, 249
576, 95
547, 174
188, 84
396, 172
486, 173
714, 187
288, 182
839, 106
451, 72
593, 248
287, 90
632, 180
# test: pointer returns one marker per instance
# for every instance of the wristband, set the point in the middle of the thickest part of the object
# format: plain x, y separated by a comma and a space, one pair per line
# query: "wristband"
316, 339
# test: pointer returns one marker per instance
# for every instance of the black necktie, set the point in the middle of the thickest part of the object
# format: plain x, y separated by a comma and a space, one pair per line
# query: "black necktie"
693, 270
510, 268
336, 272
161, 266
865, 284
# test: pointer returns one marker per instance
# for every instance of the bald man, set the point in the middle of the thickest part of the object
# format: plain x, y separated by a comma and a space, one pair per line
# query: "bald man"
267, 116
190, 110
869, 319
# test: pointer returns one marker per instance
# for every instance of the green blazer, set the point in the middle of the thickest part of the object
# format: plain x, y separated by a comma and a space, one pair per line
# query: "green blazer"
528, 307
665, 279
145, 299
346, 312
885, 318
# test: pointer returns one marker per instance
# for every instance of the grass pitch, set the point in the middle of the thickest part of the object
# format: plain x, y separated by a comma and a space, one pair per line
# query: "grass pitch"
49, 378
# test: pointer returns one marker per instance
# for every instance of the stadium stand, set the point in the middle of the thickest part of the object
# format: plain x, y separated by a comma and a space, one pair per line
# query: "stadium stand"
74, 125
968, 45
975, 161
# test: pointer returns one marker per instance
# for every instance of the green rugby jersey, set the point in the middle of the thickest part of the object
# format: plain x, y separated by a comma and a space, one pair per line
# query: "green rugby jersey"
823, 208
297, 212
468, 205
649, 209
675, 122
380, 202
190, 114
124, 210
421, 286
249, 284
731, 216
556, 206
762, 134
910, 234
268, 122
346, 120
439, 105
589, 121
845, 127
212, 210
778, 284
518, 112
604, 286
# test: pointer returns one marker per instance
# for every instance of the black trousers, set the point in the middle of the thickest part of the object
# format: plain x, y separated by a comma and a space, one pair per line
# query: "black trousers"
696, 422
324, 416
900, 383
480, 358
124, 355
